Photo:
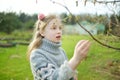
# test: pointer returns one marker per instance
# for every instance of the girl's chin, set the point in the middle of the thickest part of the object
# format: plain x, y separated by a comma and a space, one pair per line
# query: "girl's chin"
58, 41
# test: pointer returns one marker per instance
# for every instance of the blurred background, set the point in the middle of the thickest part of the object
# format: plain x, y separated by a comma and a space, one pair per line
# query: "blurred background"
101, 18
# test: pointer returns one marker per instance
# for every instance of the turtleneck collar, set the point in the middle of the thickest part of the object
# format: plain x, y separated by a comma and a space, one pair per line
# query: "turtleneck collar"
50, 46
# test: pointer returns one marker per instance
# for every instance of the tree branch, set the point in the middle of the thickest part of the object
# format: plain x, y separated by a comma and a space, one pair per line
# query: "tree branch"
84, 28
114, 1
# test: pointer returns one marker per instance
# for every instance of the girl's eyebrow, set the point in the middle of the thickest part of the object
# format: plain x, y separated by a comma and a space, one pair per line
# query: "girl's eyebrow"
61, 25
58, 24
53, 24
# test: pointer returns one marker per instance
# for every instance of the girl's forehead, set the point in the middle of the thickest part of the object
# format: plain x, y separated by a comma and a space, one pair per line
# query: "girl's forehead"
55, 21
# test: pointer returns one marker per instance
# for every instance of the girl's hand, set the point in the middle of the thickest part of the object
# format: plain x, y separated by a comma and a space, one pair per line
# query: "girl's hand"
80, 52
75, 77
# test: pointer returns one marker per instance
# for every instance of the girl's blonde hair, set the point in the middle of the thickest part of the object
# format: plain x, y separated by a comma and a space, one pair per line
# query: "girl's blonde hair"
39, 27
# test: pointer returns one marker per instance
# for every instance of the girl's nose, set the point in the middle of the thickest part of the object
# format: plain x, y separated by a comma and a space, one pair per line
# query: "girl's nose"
59, 31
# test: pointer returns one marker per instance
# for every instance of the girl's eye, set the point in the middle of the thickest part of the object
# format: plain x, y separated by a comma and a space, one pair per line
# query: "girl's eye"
61, 27
53, 27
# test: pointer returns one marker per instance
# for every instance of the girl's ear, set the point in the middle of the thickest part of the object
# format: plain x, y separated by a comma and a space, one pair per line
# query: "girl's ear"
42, 34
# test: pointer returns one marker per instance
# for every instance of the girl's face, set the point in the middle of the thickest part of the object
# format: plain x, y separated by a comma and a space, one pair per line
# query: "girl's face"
53, 31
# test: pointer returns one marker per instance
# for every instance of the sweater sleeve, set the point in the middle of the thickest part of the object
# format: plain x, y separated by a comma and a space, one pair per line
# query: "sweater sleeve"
43, 69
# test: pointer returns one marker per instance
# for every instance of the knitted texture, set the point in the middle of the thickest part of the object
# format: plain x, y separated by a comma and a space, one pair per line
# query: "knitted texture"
49, 62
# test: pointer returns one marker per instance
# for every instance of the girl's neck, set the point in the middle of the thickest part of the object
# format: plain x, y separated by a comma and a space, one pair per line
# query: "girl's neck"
50, 46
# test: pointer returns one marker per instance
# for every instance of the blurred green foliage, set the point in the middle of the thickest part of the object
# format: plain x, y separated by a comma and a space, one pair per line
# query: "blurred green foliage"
11, 21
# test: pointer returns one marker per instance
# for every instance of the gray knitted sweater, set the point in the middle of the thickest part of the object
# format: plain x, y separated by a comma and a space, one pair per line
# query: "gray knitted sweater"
49, 62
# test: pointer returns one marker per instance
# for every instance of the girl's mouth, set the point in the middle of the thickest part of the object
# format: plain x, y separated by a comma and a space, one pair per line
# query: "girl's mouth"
58, 37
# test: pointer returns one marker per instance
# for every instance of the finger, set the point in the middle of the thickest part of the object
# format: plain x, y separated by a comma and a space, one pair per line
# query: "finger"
87, 45
85, 49
79, 43
83, 44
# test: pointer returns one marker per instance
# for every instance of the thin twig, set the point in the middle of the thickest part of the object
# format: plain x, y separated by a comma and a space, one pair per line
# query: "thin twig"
105, 2
116, 48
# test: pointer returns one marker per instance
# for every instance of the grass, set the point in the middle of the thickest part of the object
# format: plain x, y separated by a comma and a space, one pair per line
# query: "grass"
98, 57
14, 65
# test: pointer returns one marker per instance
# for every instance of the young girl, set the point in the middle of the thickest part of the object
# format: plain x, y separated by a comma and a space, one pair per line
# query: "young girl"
48, 60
